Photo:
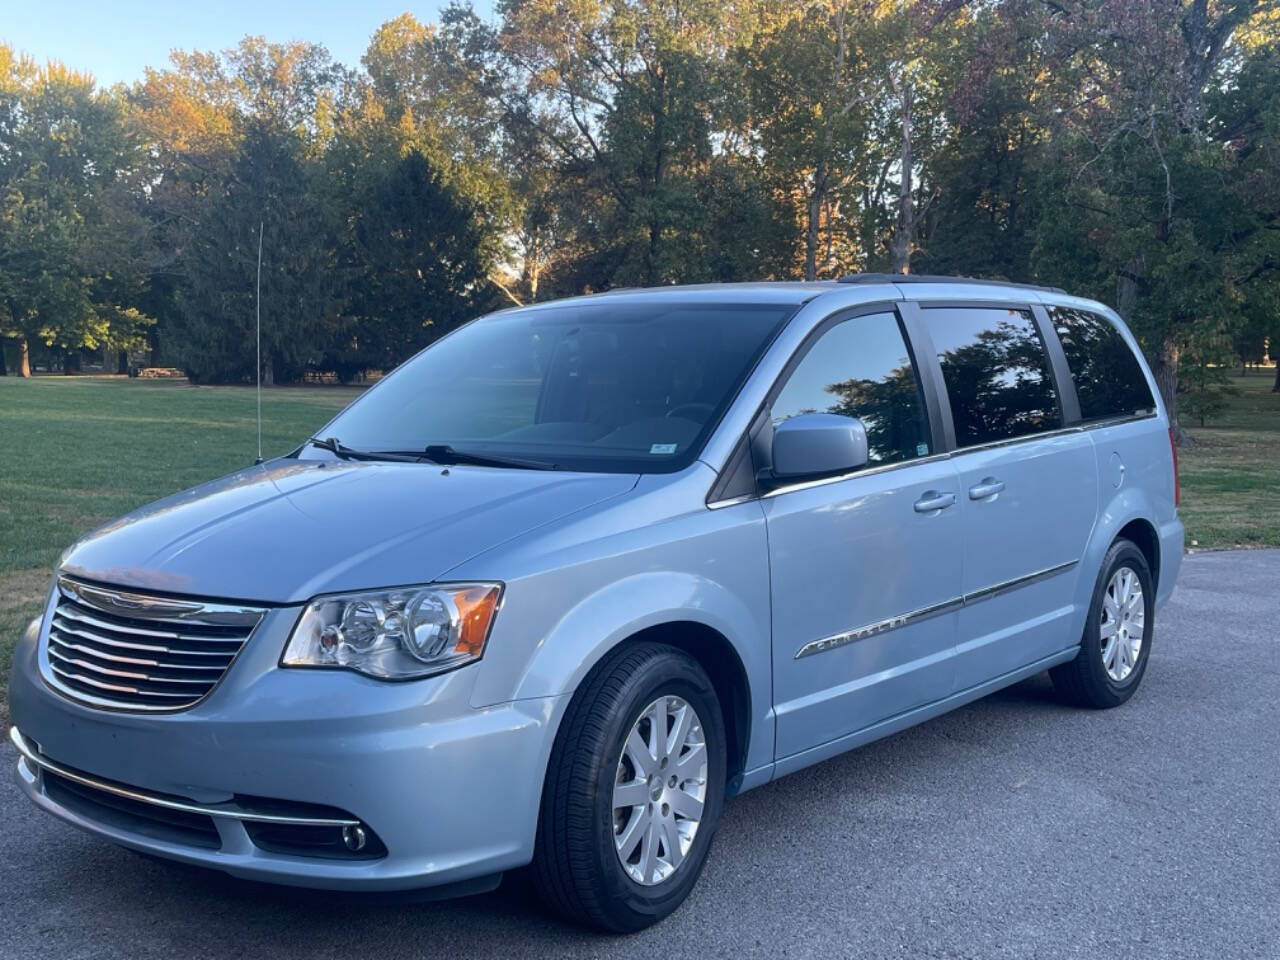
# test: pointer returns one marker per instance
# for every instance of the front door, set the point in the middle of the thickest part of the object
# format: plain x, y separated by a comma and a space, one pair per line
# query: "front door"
866, 568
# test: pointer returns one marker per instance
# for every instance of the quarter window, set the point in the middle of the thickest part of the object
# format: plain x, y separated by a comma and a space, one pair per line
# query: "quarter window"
861, 368
1109, 380
996, 372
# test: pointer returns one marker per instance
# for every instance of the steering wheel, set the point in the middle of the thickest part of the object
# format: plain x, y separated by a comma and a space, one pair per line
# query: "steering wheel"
706, 409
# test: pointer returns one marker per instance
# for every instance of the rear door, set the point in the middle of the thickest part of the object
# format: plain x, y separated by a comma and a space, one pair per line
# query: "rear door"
1027, 485
864, 568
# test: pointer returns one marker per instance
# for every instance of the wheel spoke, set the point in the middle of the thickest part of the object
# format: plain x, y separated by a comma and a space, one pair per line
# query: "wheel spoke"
680, 732
649, 851
658, 729
1109, 628
638, 752
671, 843
1109, 653
632, 794
687, 805
637, 829
1110, 605
691, 762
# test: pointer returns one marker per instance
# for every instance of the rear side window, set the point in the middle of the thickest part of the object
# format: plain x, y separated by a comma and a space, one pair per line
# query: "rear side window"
861, 368
1109, 380
996, 371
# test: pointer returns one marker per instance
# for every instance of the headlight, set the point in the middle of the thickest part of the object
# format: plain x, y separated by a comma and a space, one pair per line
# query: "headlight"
396, 634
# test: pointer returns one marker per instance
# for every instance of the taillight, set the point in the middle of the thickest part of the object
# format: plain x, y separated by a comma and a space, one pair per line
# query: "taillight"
1177, 488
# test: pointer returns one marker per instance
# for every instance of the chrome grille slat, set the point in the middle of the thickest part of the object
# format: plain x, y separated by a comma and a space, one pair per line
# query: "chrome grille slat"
63, 644
84, 633
69, 612
122, 674
117, 687
133, 652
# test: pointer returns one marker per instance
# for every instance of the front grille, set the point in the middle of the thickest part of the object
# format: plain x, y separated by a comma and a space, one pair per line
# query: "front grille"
134, 652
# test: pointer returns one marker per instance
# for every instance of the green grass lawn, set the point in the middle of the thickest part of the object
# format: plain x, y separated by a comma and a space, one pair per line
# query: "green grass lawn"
1231, 474
77, 451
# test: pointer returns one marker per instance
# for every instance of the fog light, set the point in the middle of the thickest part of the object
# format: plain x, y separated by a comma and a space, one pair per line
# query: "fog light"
354, 838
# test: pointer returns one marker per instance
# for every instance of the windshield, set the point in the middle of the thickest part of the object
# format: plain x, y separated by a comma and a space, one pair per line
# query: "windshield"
602, 385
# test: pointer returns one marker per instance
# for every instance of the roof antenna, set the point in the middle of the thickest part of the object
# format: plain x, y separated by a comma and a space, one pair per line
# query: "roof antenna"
258, 364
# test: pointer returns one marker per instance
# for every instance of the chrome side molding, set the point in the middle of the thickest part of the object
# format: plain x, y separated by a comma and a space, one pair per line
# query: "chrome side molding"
915, 616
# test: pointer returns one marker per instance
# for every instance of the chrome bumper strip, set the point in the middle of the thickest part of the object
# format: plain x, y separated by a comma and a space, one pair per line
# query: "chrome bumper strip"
29, 753
915, 616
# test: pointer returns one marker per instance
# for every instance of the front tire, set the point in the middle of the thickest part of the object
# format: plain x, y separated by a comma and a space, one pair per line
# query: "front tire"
1117, 636
633, 791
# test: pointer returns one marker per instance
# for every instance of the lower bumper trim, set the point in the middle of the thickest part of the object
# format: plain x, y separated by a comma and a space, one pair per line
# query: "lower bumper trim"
32, 755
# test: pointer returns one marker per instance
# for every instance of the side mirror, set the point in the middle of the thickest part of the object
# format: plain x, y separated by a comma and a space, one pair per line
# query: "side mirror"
817, 444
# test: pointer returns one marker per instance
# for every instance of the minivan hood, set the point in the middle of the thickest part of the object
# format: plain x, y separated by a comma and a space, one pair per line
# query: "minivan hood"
288, 530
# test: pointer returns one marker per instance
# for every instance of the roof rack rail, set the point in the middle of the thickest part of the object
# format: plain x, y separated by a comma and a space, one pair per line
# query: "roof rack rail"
932, 278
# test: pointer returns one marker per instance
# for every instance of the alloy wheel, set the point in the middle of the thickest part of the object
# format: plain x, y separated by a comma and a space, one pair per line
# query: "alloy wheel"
1123, 623
659, 790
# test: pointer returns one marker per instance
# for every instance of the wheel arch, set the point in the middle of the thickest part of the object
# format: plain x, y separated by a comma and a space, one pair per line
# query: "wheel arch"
1128, 515
717, 656
725, 633
1142, 533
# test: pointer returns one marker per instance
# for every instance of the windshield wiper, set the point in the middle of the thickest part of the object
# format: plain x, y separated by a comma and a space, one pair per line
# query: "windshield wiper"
342, 451
436, 452
443, 453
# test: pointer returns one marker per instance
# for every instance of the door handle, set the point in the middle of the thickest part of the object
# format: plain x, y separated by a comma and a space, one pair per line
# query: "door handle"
987, 489
931, 501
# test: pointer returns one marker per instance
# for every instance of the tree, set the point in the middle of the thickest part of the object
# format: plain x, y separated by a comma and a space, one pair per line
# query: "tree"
70, 232
255, 166
424, 259
622, 94
1142, 170
811, 95
986, 174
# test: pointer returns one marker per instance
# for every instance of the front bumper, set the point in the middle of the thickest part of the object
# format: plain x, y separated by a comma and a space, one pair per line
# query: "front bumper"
450, 790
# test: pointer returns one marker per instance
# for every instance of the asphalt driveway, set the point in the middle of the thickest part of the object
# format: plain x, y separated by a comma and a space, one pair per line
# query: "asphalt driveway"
1015, 827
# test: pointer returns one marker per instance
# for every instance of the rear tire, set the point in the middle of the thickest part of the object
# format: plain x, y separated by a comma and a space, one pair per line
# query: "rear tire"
586, 812
1117, 636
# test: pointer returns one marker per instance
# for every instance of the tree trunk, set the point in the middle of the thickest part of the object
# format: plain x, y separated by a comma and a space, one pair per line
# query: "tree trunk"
1276, 387
1166, 374
906, 207
24, 358
122, 362
4, 367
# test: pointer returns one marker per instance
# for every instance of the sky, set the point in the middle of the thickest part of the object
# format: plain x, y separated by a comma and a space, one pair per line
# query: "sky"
115, 39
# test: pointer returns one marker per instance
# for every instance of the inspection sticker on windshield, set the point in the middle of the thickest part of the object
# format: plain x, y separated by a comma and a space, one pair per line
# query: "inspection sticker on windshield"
663, 447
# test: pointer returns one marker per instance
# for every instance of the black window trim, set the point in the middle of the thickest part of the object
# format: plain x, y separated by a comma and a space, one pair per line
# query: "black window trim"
1039, 318
1050, 332
1068, 399
924, 357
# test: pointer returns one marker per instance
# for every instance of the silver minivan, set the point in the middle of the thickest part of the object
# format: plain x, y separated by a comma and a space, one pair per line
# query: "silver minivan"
565, 580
